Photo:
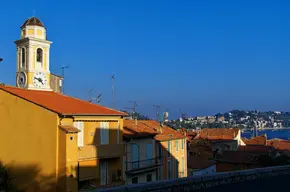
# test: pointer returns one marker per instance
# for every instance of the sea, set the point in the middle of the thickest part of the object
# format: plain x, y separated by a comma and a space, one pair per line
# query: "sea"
271, 133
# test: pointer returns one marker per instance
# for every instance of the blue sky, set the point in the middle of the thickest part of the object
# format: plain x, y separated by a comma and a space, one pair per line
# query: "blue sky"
203, 56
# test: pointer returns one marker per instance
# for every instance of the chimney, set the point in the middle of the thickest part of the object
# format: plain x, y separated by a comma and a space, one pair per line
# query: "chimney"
136, 122
160, 128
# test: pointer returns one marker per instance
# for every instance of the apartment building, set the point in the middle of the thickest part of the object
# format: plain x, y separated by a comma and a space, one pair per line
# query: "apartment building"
140, 159
53, 142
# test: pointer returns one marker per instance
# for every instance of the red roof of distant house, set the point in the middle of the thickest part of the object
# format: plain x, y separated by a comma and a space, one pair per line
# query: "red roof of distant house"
259, 140
279, 144
153, 127
219, 133
238, 157
255, 148
59, 103
199, 163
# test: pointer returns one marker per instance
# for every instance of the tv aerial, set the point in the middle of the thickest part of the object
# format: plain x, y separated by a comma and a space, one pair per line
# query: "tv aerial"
98, 97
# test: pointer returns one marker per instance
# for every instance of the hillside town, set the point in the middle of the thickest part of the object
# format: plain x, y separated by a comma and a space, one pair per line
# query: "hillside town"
243, 120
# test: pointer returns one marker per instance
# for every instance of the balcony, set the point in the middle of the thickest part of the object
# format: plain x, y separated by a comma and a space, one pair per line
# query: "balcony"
134, 167
100, 151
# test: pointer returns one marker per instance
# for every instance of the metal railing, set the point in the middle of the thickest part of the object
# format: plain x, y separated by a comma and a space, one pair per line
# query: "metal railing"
193, 183
131, 165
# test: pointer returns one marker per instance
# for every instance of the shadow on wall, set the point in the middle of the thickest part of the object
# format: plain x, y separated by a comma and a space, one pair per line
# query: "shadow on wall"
26, 178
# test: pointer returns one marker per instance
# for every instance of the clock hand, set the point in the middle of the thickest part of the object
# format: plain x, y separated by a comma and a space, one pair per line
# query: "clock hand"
40, 80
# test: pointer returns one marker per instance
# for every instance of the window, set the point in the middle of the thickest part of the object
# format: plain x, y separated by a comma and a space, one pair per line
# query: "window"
177, 145
104, 133
23, 57
134, 180
176, 168
104, 169
182, 144
149, 177
39, 55
159, 173
168, 149
159, 150
135, 156
169, 169
80, 126
149, 154
182, 166
190, 153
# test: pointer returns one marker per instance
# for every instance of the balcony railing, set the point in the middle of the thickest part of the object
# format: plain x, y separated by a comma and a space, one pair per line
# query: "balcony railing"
100, 151
147, 163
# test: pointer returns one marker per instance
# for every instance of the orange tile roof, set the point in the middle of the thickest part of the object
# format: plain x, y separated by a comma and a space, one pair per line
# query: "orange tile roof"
279, 144
255, 148
219, 133
59, 103
137, 130
69, 128
199, 163
259, 140
151, 126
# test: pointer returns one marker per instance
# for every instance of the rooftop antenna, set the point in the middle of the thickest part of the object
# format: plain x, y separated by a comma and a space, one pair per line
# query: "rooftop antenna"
135, 104
33, 12
157, 107
113, 79
62, 74
97, 98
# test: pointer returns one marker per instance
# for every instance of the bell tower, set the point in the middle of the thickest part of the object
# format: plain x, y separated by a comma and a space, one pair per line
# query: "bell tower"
32, 70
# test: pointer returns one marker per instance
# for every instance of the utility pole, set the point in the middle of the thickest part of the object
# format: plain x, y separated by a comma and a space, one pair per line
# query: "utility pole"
113, 79
62, 73
157, 107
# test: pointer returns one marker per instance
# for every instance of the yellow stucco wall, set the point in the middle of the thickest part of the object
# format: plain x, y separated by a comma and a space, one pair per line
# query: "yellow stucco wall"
92, 133
176, 158
28, 140
89, 168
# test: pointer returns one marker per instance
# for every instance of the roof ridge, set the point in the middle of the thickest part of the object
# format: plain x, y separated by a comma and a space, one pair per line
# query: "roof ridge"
26, 94
87, 102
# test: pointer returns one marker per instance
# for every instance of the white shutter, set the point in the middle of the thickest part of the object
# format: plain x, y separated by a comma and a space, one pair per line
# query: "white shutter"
104, 172
104, 126
80, 126
102, 132
107, 132
118, 132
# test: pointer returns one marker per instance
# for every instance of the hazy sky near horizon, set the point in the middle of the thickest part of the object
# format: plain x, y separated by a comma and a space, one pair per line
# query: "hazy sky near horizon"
203, 56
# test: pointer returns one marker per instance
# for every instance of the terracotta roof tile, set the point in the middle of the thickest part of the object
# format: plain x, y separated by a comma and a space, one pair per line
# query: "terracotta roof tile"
69, 128
219, 133
255, 148
279, 144
259, 140
137, 130
199, 163
59, 103
151, 126
238, 157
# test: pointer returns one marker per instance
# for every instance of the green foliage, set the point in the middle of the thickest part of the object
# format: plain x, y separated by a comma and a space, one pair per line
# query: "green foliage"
137, 115
266, 160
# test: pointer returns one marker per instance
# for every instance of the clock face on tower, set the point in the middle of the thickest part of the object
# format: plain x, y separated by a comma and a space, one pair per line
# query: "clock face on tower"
21, 79
39, 80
